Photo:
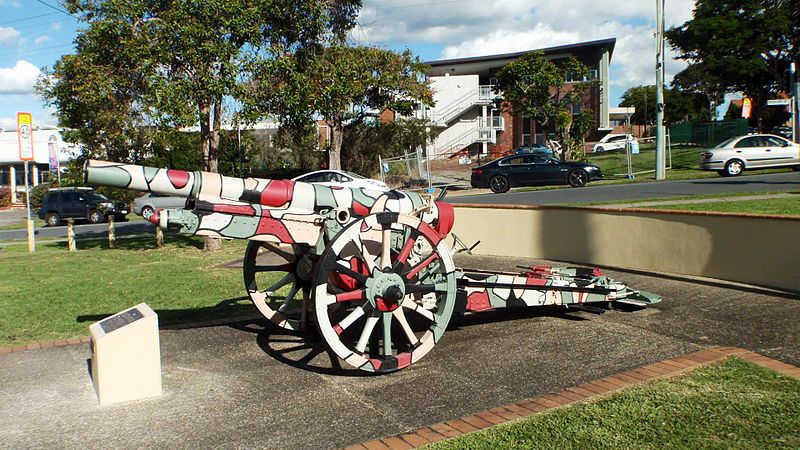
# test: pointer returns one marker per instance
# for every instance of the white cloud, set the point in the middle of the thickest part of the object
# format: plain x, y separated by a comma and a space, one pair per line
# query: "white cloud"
19, 79
9, 37
477, 27
55, 26
13, 3
42, 39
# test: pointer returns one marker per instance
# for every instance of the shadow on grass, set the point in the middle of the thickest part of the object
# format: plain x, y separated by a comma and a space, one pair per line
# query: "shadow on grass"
169, 317
135, 243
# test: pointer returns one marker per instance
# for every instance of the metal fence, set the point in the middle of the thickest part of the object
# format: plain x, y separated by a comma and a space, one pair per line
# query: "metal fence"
707, 134
410, 171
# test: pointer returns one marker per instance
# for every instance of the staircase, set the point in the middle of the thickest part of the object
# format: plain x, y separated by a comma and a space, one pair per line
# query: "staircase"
482, 129
483, 96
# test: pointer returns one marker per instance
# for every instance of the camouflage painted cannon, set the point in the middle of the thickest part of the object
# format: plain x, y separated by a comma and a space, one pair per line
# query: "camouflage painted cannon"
371, 269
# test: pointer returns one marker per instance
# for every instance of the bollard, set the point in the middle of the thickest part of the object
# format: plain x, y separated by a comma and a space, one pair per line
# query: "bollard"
111, 237
71, 235
159, 237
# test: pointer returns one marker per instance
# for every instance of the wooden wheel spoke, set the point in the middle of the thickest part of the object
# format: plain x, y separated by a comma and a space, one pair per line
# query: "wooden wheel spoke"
366, 333
387, 333
288, 267
350, 318
423, 289
270, 247
413, 306
402, 257
358, 294
360, 277
401, 319
425, 263
288, 278
386, 248
289, 298
367, 257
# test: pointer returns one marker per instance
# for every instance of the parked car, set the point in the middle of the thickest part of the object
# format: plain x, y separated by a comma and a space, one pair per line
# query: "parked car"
754, 151
78, 203
150, 202
526, 170
342, 178
533, 148
613, 142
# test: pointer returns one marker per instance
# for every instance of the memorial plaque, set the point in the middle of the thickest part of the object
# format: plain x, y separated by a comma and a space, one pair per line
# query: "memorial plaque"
120, 320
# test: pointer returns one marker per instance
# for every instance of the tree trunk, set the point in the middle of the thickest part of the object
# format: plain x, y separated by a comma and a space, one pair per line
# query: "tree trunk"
335, 152
209, 142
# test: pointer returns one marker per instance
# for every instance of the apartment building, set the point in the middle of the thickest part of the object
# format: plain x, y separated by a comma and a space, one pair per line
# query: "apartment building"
467, 110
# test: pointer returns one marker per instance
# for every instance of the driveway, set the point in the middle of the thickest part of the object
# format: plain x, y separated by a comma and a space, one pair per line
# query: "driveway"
254, 386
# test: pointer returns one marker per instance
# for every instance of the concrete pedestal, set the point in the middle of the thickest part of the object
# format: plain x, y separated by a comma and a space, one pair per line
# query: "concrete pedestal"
126, 356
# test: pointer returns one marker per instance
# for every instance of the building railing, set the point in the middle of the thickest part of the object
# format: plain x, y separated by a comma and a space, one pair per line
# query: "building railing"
484, 95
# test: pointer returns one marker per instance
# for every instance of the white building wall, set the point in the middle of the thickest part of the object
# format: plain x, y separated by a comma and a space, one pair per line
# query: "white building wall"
448, 89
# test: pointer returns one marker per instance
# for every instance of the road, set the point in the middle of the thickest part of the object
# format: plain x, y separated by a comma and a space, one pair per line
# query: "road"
83, 231
749, 183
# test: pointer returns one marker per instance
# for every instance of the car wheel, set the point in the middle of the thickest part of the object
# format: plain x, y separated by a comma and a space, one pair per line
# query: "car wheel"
147, 211
577, 178
499, 184
599, 149
95, 216
796, 168
734, 168
52, 219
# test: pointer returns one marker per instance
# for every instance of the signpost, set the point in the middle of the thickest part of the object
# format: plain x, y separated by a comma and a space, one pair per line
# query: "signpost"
747, 108
25, 136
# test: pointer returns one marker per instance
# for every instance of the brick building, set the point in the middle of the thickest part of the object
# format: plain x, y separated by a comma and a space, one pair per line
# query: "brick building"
466, 109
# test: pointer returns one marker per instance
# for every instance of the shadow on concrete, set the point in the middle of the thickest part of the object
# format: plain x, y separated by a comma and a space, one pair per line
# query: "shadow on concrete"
168, 318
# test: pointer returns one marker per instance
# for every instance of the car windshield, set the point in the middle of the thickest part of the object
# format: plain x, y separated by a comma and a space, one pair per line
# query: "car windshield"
354, 175
96, 197
727, 142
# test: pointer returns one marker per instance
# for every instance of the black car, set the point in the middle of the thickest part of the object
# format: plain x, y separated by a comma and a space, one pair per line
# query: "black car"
533, 148
533, 169
78, 203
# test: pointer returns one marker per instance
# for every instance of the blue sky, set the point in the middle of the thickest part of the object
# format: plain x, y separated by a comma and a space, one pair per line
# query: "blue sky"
35, 33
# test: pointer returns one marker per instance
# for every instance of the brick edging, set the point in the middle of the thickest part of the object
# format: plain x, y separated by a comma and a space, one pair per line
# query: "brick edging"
85, 338
589, 390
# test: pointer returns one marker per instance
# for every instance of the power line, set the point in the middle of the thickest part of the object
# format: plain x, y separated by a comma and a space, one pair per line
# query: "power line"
40, 24
24, 19
55, 8
38, 50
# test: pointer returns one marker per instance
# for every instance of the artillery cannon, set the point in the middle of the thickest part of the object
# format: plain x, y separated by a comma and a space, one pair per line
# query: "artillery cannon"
371, 269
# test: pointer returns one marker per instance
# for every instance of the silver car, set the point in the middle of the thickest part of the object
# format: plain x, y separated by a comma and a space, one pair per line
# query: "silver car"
754, 151
151, 202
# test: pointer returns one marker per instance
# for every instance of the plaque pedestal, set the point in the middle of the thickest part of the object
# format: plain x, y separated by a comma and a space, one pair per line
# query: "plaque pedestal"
126, 356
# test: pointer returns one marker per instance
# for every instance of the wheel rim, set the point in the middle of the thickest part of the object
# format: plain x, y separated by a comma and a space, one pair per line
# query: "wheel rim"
147, 212
402, 297
577, 178
95, 217
289, 310
499, 184
52, 220
735, 168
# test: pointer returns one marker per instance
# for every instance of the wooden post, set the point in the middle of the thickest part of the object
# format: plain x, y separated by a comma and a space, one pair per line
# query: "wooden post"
159, 237
111, 236
71, 235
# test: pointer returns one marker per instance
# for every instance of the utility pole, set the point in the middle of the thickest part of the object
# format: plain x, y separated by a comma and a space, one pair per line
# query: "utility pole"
794, 80
661, 160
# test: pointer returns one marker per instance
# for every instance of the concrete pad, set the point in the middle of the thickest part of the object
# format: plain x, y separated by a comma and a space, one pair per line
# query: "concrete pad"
251, 385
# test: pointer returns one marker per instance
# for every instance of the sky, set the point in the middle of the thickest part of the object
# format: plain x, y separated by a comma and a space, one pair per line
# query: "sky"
36, 33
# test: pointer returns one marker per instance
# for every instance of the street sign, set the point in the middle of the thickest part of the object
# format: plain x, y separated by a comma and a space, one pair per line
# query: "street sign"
778, 102
25, 135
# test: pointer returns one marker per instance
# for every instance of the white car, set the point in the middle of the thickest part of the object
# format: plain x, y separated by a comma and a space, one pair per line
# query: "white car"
342, 178
754, 151
612, 142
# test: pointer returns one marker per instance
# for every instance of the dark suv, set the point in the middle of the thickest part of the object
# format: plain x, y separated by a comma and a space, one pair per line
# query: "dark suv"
78, 203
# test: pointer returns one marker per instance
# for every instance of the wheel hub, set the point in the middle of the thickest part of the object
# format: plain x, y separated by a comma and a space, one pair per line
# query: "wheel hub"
385, 291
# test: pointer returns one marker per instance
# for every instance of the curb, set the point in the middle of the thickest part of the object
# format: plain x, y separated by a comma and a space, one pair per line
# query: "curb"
589, 390
86, 339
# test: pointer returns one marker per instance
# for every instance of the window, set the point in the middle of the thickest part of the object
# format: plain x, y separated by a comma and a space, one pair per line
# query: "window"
539, 159
513, 161
773, 141
752, 141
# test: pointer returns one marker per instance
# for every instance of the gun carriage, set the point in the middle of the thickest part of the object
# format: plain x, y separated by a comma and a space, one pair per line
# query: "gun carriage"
372, 270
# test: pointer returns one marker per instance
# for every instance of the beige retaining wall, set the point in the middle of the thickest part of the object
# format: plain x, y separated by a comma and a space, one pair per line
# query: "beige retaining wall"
751, 249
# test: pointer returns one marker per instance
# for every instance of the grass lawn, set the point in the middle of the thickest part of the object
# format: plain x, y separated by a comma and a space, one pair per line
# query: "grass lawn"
732, 404
56, 294
774, 206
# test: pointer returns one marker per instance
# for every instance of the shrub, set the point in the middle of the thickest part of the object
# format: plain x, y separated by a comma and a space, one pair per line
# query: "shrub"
5, 197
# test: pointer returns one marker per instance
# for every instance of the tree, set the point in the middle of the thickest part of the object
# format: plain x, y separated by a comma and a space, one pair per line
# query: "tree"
681, 106
364, 143
536, 88
739, 46
173, 64
344, 85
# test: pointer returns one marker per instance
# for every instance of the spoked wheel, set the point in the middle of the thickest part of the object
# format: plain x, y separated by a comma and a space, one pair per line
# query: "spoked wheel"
384, 292
264, 259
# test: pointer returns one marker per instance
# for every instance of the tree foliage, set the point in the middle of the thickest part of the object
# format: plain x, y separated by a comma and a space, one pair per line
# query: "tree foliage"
735, 46
536, 88
682, 106
365, 143
342, 84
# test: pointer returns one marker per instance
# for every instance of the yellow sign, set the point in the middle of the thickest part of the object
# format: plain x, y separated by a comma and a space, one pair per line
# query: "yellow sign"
747, 108
25, 134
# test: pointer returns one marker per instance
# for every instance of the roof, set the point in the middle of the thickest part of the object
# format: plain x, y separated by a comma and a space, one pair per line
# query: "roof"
610, 42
